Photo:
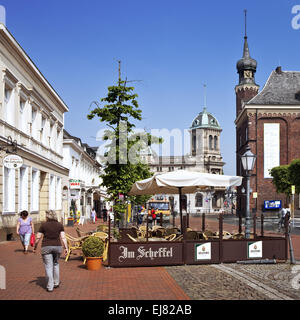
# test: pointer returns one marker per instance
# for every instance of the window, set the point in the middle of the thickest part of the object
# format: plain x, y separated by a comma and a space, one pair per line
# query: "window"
23, 189
51, 135
52, 192
43, 125
210, 143
59, 142
9, 190
35, 190
22, 117
198, 200
9, 105
58, 193
34, 123
215, 142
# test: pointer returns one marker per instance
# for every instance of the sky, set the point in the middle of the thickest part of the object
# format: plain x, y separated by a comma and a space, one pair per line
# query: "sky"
168, 48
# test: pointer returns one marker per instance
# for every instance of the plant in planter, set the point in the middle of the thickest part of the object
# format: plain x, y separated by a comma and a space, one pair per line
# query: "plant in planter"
92, 249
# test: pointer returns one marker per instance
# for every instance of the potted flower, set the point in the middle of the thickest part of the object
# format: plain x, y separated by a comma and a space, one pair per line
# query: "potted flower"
92, 249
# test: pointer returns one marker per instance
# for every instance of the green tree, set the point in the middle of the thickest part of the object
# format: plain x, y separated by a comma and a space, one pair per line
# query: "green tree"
123, 164
294, 173
281, 180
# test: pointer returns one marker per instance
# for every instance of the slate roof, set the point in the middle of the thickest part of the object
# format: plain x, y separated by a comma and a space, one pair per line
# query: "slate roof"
282, 88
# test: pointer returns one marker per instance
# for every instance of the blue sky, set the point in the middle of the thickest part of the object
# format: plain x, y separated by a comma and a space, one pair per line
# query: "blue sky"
173, 46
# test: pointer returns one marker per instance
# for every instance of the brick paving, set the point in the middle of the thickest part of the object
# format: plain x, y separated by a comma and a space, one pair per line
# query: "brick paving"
25, 278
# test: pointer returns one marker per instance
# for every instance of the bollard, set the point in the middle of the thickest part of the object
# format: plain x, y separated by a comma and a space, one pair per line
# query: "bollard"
203, 222
254, 225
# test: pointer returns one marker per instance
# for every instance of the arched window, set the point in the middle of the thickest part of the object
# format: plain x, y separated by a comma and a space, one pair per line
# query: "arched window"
215, 142
198, 200
210, 143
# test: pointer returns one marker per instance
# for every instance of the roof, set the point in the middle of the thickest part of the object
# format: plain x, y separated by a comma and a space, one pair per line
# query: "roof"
205, 120
282, 88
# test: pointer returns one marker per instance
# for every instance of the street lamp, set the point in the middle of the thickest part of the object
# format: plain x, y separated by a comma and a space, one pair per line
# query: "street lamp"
248, 161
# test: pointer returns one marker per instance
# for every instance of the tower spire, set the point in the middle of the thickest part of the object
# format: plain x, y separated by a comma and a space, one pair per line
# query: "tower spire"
245, 11
204, 86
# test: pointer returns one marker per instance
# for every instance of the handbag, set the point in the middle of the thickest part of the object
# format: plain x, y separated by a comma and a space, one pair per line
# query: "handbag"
32, 239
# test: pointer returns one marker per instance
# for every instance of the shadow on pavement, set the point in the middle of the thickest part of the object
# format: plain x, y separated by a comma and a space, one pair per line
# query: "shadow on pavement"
40, 281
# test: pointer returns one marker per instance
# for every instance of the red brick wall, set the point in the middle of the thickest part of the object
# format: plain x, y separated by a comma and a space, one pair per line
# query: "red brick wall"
289, 150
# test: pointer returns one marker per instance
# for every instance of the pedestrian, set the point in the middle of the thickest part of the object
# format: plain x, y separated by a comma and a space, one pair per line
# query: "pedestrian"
104, 213
283, 213
25, 228
153, 215
52, 232
93, 215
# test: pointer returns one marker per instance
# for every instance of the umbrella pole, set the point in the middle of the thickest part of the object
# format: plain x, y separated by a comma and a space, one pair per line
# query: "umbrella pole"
180, 210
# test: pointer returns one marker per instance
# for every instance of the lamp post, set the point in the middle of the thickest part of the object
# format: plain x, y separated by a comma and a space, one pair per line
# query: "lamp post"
248, 161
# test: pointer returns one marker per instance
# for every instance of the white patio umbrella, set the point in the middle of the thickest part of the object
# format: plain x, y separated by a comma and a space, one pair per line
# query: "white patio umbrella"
182, 181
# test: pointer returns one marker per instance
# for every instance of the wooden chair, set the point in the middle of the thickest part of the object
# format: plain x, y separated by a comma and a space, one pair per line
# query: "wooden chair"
103, 228
192, 235
102, 235
160, 232
202, 236
171, 237
226, 235
172, 230
179, 238
210, 235
81, 233
131, 238
238, 236
73, 244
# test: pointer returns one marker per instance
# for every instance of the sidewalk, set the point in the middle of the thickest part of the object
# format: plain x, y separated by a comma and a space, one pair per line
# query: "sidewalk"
25, 278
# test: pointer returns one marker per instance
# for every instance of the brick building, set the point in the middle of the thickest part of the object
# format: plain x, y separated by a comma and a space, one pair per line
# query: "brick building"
269, 122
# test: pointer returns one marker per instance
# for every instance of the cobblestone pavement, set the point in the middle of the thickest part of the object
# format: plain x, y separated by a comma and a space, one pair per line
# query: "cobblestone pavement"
238, 282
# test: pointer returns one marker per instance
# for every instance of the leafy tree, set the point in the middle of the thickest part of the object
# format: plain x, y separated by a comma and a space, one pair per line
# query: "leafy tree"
294, 173
123, 164
281, 180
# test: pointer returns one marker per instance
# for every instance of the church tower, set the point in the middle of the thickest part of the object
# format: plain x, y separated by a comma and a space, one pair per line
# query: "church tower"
246, 90
246, 68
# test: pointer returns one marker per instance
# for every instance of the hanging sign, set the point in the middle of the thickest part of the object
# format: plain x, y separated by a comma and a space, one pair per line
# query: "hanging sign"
74, 184
13, 161
293, 189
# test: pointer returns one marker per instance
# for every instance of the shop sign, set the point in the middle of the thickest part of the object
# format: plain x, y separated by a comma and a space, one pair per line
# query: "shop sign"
255, 249
74, 184
13, 161
203, 251
144, 253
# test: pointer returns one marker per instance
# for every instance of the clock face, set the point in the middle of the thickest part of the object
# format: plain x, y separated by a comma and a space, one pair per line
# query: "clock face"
247, 74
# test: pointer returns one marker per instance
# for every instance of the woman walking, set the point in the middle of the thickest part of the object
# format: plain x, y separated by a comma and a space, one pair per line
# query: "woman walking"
93, 215
24, 229
52, 232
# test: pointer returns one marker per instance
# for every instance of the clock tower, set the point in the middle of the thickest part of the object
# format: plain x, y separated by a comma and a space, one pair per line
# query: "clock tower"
246, 68
246, 90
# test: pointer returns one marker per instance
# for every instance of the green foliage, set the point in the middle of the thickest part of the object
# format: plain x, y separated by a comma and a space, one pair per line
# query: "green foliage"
294, 173
93, 247
118, 177
281, 179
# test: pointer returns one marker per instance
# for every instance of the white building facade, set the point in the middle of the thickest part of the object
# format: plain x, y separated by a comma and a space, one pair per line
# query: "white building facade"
204, 156
31, 115
84, 191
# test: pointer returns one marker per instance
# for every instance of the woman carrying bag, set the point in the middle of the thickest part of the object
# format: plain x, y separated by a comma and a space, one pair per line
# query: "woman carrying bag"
25, 229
